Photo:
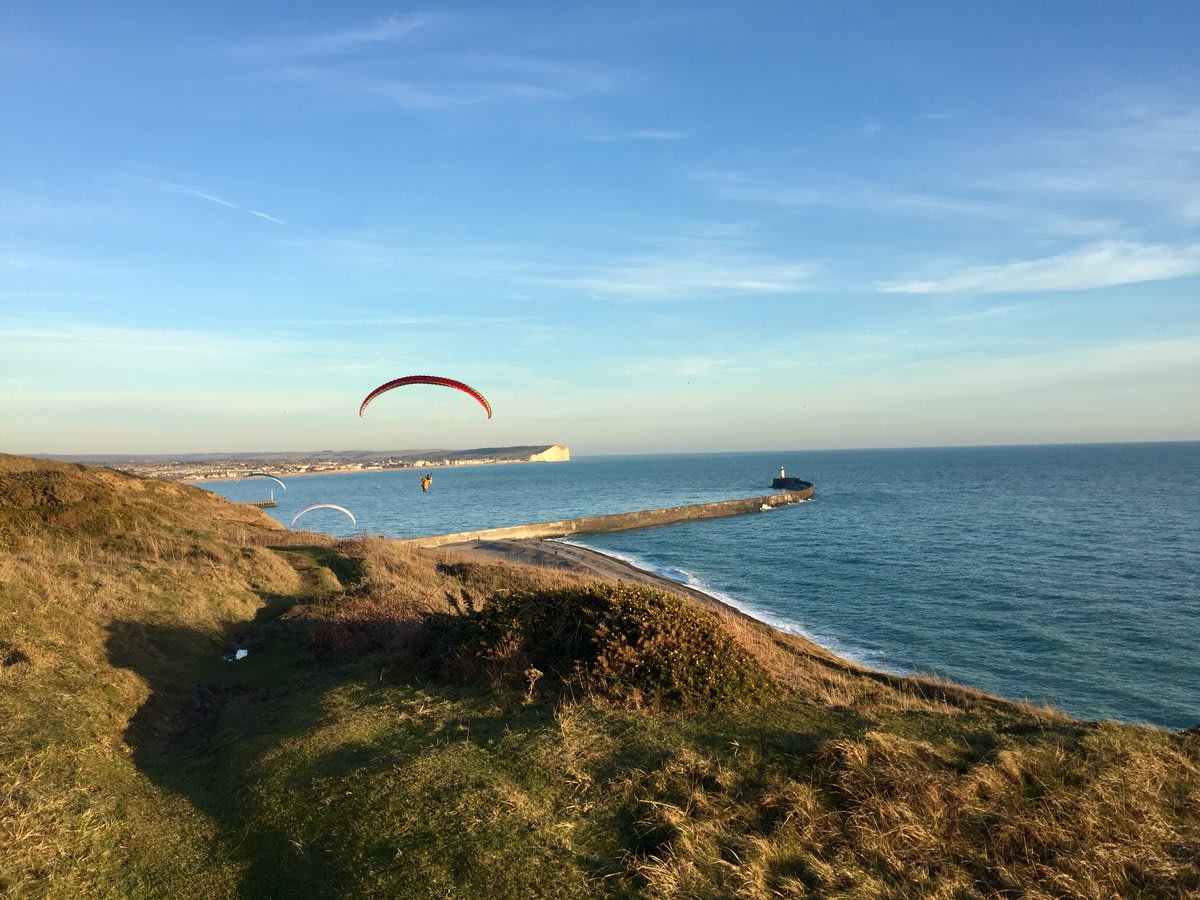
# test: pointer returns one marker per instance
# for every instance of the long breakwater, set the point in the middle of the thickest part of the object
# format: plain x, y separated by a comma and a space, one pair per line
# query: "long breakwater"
647, 518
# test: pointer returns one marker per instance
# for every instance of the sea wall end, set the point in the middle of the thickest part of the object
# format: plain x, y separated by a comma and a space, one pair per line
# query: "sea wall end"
647, 518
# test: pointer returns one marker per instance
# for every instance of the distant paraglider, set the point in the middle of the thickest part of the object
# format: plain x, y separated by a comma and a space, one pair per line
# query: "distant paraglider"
427, 379
325, 506
265, 475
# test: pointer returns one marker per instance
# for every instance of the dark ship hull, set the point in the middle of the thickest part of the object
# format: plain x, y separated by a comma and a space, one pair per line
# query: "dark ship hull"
791, 483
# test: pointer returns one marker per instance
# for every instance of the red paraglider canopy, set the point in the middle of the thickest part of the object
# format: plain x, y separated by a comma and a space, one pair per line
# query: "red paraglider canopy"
427, 379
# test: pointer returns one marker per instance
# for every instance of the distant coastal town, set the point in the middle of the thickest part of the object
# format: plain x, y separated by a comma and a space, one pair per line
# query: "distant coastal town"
214, 466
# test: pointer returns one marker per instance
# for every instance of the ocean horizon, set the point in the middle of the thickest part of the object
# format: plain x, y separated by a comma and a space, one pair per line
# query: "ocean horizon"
1062, 574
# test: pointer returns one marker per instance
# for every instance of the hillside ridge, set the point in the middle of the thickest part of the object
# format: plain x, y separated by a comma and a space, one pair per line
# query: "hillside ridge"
403, 721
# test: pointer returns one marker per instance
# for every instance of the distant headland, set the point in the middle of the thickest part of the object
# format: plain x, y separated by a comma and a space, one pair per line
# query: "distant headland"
213, 466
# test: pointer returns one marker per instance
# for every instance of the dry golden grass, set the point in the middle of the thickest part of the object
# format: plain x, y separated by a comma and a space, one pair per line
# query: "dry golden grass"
913, 787
886, 816
91, 559
389, 586
853, 784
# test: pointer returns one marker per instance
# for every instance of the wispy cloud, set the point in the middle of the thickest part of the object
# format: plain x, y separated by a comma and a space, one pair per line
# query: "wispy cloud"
176, 188
422, 94
211, 198
897, 201
667, 277
1120, 168
402, 252
263, 215
695, 260
1136, 154
847, 193
572, 77
430, 84
635, 134
447, 68
390, 30
1099, 265
990, 312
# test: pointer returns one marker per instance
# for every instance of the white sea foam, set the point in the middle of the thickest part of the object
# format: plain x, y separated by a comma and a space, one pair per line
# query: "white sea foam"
766, 506
871, 659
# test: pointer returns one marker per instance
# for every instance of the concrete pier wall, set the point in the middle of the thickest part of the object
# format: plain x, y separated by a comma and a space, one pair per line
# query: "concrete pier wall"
647, 518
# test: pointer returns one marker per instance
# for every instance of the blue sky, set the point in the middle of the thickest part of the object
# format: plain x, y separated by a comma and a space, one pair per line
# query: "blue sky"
669, 228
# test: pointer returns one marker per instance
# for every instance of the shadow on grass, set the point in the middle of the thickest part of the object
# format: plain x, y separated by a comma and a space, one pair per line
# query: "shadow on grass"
322, 781
350, 570
210, 716
229, 736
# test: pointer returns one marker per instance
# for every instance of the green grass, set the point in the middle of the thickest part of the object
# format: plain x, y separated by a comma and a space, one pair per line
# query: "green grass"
135, 762
619, 641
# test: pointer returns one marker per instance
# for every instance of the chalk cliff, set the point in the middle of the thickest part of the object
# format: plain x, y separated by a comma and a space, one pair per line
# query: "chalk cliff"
554, 453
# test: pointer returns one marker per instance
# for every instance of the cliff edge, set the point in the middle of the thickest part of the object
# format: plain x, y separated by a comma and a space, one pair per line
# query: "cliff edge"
553, 453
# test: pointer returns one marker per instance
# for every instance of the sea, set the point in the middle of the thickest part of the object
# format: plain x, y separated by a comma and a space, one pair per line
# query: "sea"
1067, 575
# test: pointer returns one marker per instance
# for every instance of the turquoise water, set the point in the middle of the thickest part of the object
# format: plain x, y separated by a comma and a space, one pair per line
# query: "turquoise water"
1060, 574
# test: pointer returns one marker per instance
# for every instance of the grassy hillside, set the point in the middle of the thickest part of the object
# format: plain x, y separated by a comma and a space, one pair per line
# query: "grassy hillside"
408, 723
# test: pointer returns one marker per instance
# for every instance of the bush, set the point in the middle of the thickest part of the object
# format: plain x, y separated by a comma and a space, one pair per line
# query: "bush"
621, 641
